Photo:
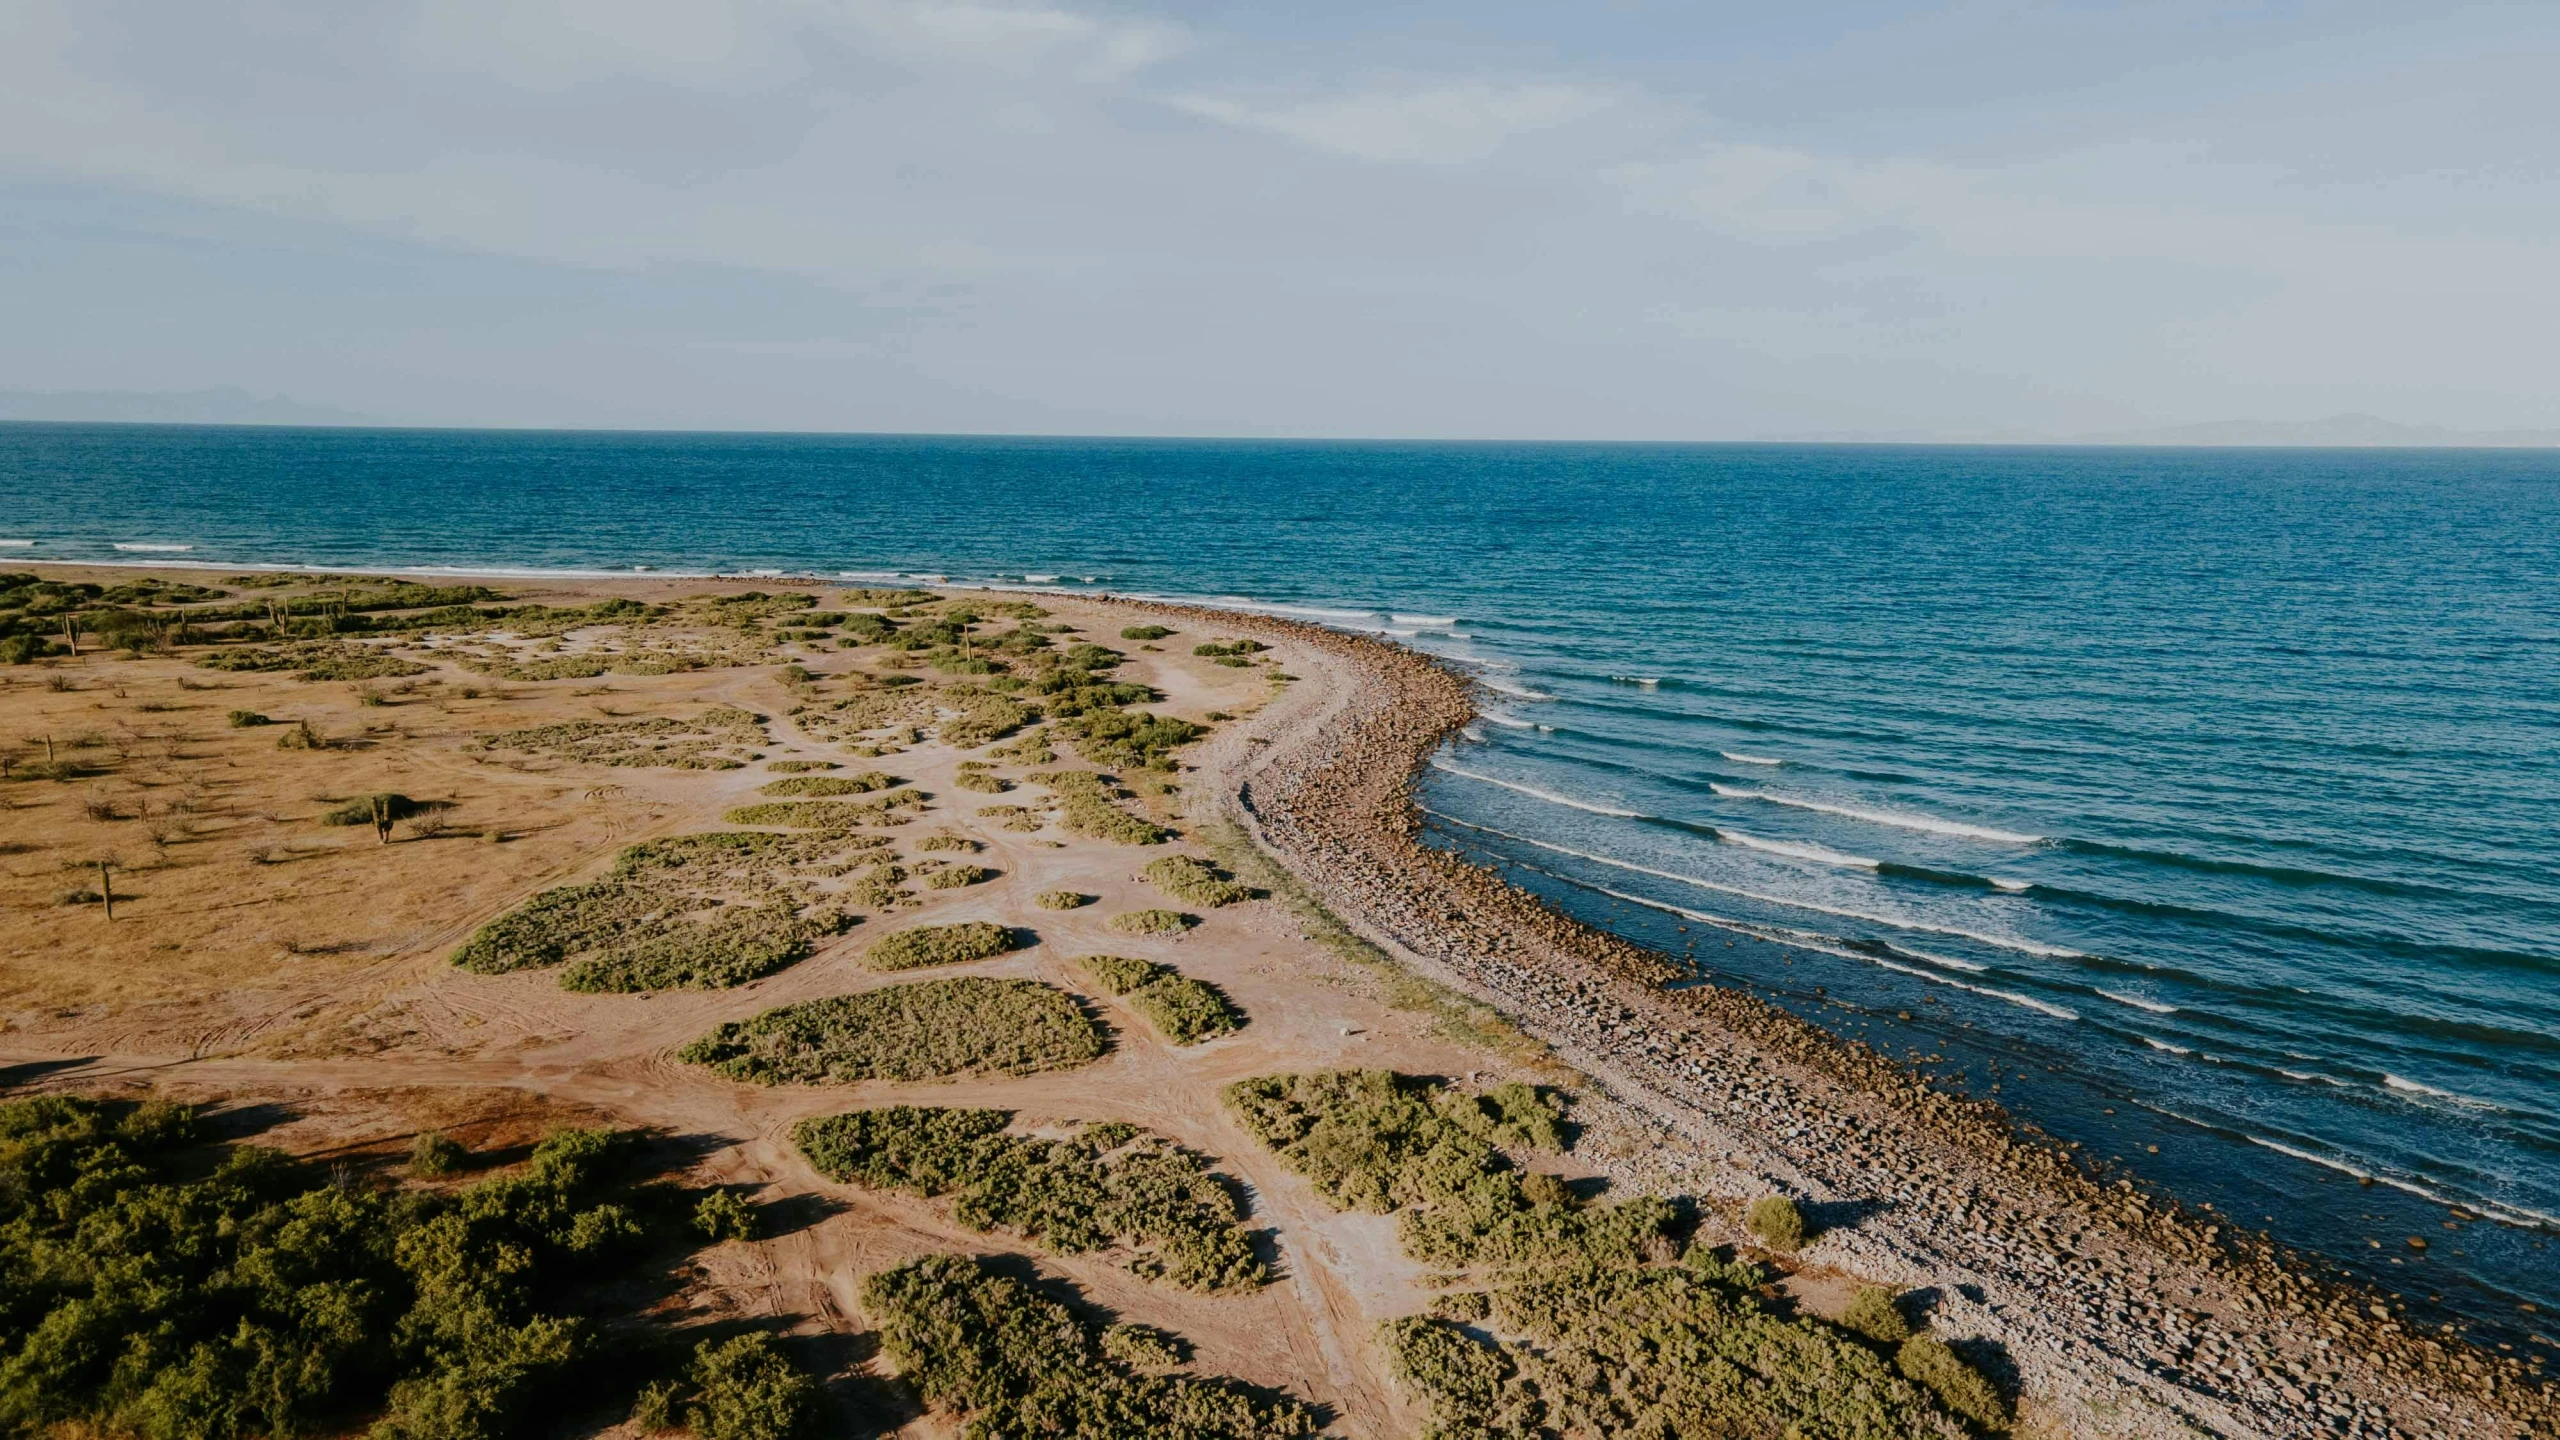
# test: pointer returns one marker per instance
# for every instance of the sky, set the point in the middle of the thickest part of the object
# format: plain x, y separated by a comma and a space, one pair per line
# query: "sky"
1618, 219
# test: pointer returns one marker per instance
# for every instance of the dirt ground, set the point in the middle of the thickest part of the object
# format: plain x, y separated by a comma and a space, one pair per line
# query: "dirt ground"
295, 975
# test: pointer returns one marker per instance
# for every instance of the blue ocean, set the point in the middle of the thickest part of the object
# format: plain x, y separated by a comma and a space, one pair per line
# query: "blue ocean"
2203, 807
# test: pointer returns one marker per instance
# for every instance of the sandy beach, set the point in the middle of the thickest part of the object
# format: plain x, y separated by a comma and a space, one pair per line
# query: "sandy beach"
296, 976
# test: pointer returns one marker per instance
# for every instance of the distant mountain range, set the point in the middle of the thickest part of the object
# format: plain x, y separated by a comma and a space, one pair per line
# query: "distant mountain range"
222, 405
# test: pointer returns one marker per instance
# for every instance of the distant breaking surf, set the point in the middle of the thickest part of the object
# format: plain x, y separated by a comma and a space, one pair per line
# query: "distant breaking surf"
1896, 818
1534, 792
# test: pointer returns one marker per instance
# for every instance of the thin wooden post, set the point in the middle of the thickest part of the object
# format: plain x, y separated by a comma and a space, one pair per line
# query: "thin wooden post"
107, 890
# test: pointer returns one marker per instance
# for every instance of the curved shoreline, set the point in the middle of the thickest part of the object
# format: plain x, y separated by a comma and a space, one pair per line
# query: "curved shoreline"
2073, 1274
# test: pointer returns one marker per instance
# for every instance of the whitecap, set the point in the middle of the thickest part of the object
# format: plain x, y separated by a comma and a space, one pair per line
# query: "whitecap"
149, 548
869, 575
2165, 1045
2014, 887
1738, 758
2012, 996
1535, 793
17, 544
2309, 1076
2028, 947
1472, 733
1504, 719
1517, 692
1897, 818
1949, 961
2138, 1003
1795, 850
2416, 1087
1434, 621
1039, 579
1647, 681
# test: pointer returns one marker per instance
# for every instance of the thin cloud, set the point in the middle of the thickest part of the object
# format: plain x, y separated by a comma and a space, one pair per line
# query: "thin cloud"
1437, 125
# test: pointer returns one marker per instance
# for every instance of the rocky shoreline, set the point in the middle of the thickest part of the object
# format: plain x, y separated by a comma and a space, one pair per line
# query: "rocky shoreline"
2121, 1313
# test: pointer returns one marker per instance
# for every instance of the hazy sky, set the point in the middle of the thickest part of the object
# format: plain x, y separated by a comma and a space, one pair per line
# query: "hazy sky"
1633, 219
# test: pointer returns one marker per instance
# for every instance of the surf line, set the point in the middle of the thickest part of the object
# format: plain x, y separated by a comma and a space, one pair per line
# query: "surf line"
1896, 818
1792, 849
2027, 947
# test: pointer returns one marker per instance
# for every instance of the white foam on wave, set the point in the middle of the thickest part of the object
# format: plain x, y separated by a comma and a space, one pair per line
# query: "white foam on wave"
2138, 1003
2309, 1077
1738, 758
17, 544
1948, 961
2013, 997
2027, 947
1474, 734
2417, 1087
1039, 579
2014, 887
1435, 622
1504, 719
869, 575
1899, 819
1647, 681
149, 548
1794, 850
2517, 1216
1535, 793
2165, 1045
1517, 692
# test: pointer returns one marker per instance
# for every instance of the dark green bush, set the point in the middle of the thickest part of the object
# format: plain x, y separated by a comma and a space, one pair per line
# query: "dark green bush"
816, 785
1928, 1360
1144, 632
1063, 900
1106, 1186
725, 1215
435, 1153
1195, 881
1776, 1222
1087, 802
1229, 648
939, 945
1872, 1313
744, 1388
920, 1031
1152, 922
248, 719
1185, 1010
1019, 1366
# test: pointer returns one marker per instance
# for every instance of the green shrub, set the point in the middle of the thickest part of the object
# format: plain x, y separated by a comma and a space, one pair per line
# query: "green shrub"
830, 814
1184, 1010
1106, 1186
362, 810
961, 843
1152, 922
1872, 1313
980, 780
798, 767
1928, 1360
1087, 802
1017, 1364
1144, 632
720, 738
163, 1292
248, 720
1776, 1222
940, 945
744, 1388
435, 1153
1063, 900
725, 1215
1195, 881
816, 785
1111, 736
954, 877
1230, 648
921, 1031
1145, 1348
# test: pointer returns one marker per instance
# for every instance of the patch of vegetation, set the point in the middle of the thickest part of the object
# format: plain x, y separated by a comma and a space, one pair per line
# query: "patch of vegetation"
1020, 1366
921, 1031
798, 767
1030, 749
955, 877
1185, 1011
1152, 922
1230, 648
1106, 1186
873, 599
247, 720
960, 843
891, 809
1776, 1222
1129, 737
744, 1388
940, 945
366, 809
161, 1291
1930, 1361
1871, 1312
1144, 632
739, 944
434, 1153
1063, 900
978, 777
1195, 881
315, 660
813, 785
1088, 803
725, 1215
985, 715
720, 738
1145, 1348
1020, 819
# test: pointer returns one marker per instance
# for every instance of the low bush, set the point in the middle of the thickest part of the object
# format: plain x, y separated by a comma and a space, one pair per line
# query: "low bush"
1144, 632
1088, 802
920, 1031
719, 738
1129, 737
961, 843
1063, 900
248, 720
1776, 1222
435, 1153
940, 945
1195, 881
981, 780
1872, 1313
892, 809
1184, 1010
1145, 1348
1021, 819
740, 944
1217, 648
1017, 1365
954, 877
799, 767
1152, 922
725, 1215
816, 785
1106, 1186
1929, 1361
744, 1388
366, 809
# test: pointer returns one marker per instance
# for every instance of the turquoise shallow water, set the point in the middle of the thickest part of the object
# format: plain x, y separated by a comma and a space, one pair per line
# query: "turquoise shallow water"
2200, 800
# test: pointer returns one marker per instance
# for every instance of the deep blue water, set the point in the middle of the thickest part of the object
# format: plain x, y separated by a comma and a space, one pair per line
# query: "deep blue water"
2199, 799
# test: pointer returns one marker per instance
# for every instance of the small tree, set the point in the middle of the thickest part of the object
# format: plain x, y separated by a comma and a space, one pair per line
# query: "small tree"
1776, 1221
